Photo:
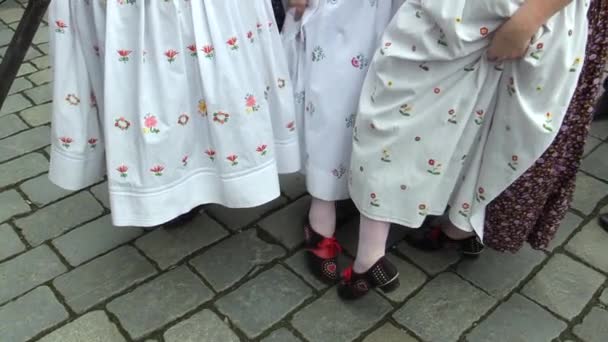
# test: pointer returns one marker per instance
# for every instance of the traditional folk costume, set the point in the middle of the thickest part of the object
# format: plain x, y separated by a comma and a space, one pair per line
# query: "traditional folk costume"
179, 102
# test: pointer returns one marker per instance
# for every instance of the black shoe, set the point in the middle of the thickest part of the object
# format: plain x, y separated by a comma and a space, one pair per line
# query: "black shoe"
604, 221
382, 275
435, 239
322, 255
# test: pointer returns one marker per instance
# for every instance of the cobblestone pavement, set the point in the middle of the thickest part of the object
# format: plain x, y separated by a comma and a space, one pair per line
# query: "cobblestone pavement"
67, 275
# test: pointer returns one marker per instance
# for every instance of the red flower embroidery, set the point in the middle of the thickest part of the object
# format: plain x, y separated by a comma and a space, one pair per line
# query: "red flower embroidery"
233, 43
193, 50
211, 154
124, 55
291, 126
250, 36
122, 169
209, 51
431, 162
466, 206
157, 170
66, 141
92, 142
233, 159
262, 150
171, 55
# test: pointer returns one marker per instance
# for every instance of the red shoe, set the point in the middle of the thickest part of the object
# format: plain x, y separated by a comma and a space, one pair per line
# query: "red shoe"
383, 275
322, 254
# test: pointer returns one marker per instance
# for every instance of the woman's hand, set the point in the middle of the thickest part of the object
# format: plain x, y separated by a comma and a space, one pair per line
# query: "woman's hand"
511, 40
299, 6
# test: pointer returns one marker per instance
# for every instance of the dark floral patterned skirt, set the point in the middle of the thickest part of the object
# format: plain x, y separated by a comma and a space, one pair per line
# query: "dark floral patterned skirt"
531, 209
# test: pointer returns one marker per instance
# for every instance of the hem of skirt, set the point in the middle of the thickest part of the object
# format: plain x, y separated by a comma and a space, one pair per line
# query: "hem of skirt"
393, 220
152, 209
287, 155
74, 172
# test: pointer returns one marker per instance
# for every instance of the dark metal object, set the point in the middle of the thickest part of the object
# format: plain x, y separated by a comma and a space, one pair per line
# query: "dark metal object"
21, 42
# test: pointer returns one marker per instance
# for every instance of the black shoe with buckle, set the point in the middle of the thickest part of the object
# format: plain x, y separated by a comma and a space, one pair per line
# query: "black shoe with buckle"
383, 275
322, 255
435, 239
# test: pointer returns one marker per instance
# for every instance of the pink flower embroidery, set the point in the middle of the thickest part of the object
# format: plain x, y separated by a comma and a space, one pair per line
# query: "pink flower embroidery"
480, 115
374, 200
434, 167
171, 55
157, 170
514, 163
484, 31
60, 26
250, 36
437, 90
221, 117
183, 119
122, 169
185, 161
251, 103
122, 123
150, 122
291, 126
422, 209
465, 210
480, 194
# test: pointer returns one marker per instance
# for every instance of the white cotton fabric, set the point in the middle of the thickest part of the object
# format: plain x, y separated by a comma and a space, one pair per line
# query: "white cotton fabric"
441, 126
180, 102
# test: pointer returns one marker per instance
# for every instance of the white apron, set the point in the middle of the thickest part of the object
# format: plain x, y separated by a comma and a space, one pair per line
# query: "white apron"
180, 102
329, 52
439, 125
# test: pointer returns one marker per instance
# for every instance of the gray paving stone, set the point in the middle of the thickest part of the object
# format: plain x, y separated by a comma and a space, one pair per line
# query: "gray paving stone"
41, 191
592, 142
10, 244
42, 36
44, 47
103, 278
596, 162
500, 273
6, 35
236, 219
389, 333
11, 15
594, 327
204, 326
518, 319
287, 224
27, 271
331, 319
590, 245
41, 77
22, 168
10, 124
32, 53
20, 84
54, 220
293, 185
281, 335
38, 115
410, 277
277, 291
14, 103
299, 265
11, 204
599, 129
92, 239
564, 286
40, 94
604, 297
160, 301
92, 327
234, 258
566, 228
42, 62
444, 309
26, 69
431, 262
168, 246
588, 192
100, 191
24, 142
30, 315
